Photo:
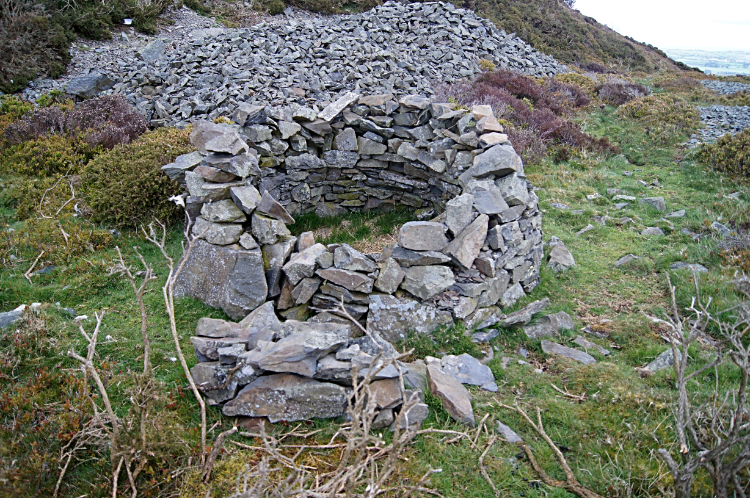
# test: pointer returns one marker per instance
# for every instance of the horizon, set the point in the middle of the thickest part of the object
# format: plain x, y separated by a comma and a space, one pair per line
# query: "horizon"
686, 25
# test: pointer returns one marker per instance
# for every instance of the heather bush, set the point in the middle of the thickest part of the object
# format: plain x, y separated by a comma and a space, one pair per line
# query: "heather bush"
579, 80
125, 186
535, 111
730, 153
618, 91
665, 117
105, 121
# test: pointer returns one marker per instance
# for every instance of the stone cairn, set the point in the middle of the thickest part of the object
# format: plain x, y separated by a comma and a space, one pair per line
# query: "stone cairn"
393, 48
483, 251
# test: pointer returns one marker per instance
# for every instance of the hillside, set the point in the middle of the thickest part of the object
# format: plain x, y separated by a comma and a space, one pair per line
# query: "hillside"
552, 27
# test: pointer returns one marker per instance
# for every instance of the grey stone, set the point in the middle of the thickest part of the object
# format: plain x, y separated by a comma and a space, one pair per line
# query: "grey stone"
549, 325
270, 206
346, 140
348, 258
370, 147
566, 352
454, 397
267, 230
390, 277
89, 85
722, 230
226, 143
221, 234
524, 316
514, 189
262, 318
217, 328
490, 201
224, 211
289, 398
465, 307
347, 279
560, 258
246, 198
299, 352
258, 133
585, 229
210, 376
497, 288
459, 213
207, 348
663, 361
305, 114
305, 290
341, 293
384, 418
302, 265
242, 165
655, 202
248, 242
214, 175
247, 114
508, 434
288, 129
653, 231
466, 246
415, 101
412, 418
392, 317
499, 160
585, 343
467, 370
246, 286
304, 161
406, 257
425, 282
386, 393
205, 131
422, 236
153, 51
625, 260
495, 238
305, 240
677, 214
185, 162
335, 108
8, 318
681, 265
513, 294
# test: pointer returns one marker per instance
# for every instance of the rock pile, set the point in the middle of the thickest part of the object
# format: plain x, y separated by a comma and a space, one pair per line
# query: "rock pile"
726, 87
483, 252
393, 48
720, 120
292, 370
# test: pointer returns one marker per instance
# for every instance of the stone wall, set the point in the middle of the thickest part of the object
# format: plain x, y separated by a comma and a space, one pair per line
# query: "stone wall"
481, 249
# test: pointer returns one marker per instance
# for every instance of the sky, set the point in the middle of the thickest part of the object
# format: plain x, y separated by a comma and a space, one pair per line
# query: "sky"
708, 25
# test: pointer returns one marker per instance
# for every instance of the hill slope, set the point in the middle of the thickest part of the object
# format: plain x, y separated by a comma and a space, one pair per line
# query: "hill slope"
573, 38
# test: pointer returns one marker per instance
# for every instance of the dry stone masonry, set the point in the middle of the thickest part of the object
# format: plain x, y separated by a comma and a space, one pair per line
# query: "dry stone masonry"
482, 252
393, 48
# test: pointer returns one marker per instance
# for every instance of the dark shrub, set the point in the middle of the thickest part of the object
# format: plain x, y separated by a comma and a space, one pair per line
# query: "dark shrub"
104, 121
595, 67
125, 186
618, 91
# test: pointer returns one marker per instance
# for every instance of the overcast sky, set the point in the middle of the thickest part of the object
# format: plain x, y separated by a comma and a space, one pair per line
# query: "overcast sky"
709, 25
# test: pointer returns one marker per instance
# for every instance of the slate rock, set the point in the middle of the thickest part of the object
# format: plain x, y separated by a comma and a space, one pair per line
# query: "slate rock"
210, 376
302, 265
499, 160
467, 370
454, 397
681, 265
560, 258
425, 282
585, 343
287, 397
513, 294
412, 418
459, 213
663, 361
508, 434
490, 201
185, 162
262, 318
650, 231
386, 393
422, 236
390, 277
348, 258
466, 246
224, 211
348, 279
220, 234
406, 257
270, 206
246, 198
391, 317
655, 202
524, 316
267, 230
566, 352
89, 85
8, 318
153, 51
217, 328
299, 351
549, 325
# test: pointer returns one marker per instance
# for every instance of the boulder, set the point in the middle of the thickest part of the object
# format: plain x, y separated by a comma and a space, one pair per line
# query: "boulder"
454, 397
422, 236
89, 85
425, 282
287, 397
466, 246
499, 160
467, 370
392, 317
514, 189
223, 277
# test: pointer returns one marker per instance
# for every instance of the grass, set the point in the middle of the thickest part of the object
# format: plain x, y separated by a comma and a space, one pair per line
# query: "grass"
609, 437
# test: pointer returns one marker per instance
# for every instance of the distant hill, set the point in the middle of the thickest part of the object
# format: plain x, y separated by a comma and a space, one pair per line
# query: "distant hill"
571, 37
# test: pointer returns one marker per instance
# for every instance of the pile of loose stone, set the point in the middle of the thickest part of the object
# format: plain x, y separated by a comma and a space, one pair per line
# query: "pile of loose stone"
726, 87
393, 48
720, 120
292, 370
485, 249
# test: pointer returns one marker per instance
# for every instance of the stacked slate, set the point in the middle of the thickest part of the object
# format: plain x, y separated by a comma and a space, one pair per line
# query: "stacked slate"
482, 253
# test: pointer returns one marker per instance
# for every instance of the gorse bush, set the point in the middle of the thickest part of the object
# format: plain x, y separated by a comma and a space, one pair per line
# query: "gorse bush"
730, 153
104, 121
665, 117
46, 156
125, 186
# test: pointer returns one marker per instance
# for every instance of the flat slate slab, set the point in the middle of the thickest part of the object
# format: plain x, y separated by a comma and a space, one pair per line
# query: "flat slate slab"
566, 352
